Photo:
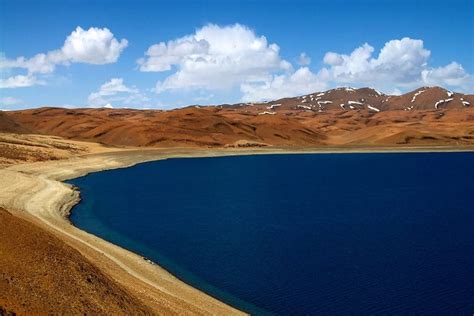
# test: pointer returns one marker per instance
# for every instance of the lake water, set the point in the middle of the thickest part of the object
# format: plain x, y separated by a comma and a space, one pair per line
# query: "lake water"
300, 234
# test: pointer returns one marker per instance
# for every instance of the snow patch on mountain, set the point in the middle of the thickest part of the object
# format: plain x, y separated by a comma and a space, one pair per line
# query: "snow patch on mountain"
437, 104
417, 94
373, 108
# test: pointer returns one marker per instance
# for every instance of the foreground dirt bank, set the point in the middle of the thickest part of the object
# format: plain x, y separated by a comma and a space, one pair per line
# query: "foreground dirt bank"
40, 274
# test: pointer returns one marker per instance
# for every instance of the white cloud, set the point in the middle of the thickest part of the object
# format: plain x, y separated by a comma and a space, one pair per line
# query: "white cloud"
40, 63
399, 62
333, 59
10, 101
348, 67
162, 56
218, 58
452, 75
92, 46
406, 54
218, 61
304, 60
115, 91
114, 86
19, 81
302, 81
400, 65
214, 58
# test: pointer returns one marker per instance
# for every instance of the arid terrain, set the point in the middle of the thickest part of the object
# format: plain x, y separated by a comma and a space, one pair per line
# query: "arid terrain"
40, 274
338, 117
41, 147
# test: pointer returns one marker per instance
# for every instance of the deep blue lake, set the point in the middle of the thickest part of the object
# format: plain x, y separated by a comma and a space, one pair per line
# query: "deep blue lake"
300, 234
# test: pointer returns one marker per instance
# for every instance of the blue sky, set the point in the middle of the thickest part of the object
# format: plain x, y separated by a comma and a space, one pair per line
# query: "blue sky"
226, 51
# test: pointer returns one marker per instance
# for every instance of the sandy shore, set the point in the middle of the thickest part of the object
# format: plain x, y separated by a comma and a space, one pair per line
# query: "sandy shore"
34, 191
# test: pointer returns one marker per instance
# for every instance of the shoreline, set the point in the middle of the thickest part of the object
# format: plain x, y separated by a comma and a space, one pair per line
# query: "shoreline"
51, 202
35, 191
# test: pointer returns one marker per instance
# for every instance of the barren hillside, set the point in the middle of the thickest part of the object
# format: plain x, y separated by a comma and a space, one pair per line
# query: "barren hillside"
338, 117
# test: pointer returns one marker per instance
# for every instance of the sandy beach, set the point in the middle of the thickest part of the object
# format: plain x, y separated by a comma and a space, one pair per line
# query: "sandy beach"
34, 191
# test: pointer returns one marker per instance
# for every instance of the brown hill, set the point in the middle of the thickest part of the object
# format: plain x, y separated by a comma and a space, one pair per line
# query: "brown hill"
337, 117
334, 99
7, 125
192, 126
17, 148
350, 99
427, 98
42, 275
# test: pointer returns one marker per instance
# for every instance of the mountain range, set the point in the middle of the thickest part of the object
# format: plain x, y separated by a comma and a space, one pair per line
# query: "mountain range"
428, 116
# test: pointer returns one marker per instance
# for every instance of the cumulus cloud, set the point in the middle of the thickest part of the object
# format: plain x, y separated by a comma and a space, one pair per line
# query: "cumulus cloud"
114, 86
215, 61
301, 81
115, 91
226, 57
19, 81
333, 59
304, 60
93, 46
452, 75
162, 56
214, 58
400, 64
40, 63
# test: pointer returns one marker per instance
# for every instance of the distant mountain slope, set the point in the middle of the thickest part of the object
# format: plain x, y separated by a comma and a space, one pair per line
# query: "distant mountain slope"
205, 126
350, 99
337, 117
7, 125
429, 98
